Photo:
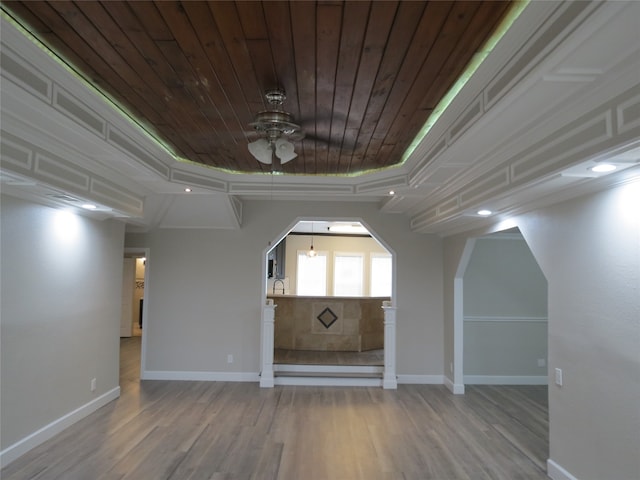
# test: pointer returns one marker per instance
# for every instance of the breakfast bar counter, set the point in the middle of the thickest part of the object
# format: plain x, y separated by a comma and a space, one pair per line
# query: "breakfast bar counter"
337, 324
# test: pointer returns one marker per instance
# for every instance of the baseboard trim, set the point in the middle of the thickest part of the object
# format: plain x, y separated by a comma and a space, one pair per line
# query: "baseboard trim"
506, 380
201, 376
556, 472
421, 379
40, 436
455, 388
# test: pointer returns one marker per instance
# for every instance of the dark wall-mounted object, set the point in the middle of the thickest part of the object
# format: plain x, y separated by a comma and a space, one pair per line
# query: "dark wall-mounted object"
276, 260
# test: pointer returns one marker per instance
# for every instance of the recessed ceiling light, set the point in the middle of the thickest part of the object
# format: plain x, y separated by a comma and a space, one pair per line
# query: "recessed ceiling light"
484, 212
89, 206
187, 190
603, 168
392, 192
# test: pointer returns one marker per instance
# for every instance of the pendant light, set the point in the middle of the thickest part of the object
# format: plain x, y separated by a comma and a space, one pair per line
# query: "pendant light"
311, 253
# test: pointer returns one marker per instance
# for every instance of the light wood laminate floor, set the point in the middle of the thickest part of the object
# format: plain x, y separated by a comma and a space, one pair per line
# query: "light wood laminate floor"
226, 431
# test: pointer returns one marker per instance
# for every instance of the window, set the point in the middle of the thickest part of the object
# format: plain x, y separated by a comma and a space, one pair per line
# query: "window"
312, 274
381, 275
347, 274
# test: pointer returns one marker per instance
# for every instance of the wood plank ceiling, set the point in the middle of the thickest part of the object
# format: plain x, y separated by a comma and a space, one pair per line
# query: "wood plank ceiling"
361, 77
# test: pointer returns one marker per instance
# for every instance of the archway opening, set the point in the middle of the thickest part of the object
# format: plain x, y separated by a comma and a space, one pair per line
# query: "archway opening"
501, 334
505, 313
331, 283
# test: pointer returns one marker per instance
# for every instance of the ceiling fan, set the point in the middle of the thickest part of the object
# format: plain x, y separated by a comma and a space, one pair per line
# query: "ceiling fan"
278, 128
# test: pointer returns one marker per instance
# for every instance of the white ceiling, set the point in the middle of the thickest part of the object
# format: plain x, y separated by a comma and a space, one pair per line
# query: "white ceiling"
320, 227
559, 92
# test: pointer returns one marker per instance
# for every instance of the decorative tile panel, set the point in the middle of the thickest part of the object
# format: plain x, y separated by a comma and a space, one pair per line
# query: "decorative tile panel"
327, 317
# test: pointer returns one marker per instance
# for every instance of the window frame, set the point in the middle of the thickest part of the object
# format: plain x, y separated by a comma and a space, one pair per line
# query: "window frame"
320, 254
361, 256
373, 256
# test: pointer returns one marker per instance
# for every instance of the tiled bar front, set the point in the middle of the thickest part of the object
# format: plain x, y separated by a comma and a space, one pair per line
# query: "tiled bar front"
338, 324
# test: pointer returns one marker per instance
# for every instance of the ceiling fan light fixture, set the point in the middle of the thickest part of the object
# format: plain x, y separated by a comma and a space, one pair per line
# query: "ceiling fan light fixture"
261, 150
278, 126
284, 150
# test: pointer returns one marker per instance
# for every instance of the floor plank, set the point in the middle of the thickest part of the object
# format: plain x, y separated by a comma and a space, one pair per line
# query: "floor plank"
173, 430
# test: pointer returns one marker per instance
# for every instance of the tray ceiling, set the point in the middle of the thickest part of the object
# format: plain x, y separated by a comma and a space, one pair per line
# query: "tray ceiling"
556, 94
361, 78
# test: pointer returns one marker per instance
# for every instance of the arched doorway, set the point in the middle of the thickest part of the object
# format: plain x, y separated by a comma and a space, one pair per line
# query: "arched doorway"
469, 317
336, 255
505, 313
501, 334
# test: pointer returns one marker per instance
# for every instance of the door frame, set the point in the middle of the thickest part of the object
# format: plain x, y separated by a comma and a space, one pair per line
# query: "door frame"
268, 314
143, 252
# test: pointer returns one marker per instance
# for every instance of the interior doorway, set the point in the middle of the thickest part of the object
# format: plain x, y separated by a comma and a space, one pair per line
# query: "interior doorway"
133, 323
501, 334
133, 283
525, 351
505, 313
337, 266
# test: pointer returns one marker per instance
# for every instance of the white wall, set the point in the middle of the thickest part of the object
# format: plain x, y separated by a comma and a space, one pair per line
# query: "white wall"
503, 279
505, 313
206, 290
589, 251
61, 278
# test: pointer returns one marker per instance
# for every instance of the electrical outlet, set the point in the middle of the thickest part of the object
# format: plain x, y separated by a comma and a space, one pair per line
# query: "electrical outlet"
559, 377
542, 362
229, 358
93, 384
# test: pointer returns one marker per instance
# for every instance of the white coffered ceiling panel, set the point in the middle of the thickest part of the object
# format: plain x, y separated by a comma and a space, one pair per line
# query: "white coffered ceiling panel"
559, 91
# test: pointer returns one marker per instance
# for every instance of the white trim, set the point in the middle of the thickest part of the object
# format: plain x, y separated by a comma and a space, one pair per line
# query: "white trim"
506, 379
145, 307
390, 380
455, 388
267, 327
38, 437
495, 318
343, 369
503, 236
556, 472
458, 316
201, 376
421, 379
329, 381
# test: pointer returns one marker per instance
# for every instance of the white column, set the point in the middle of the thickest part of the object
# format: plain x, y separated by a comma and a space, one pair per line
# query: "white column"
389, 380
268, 319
